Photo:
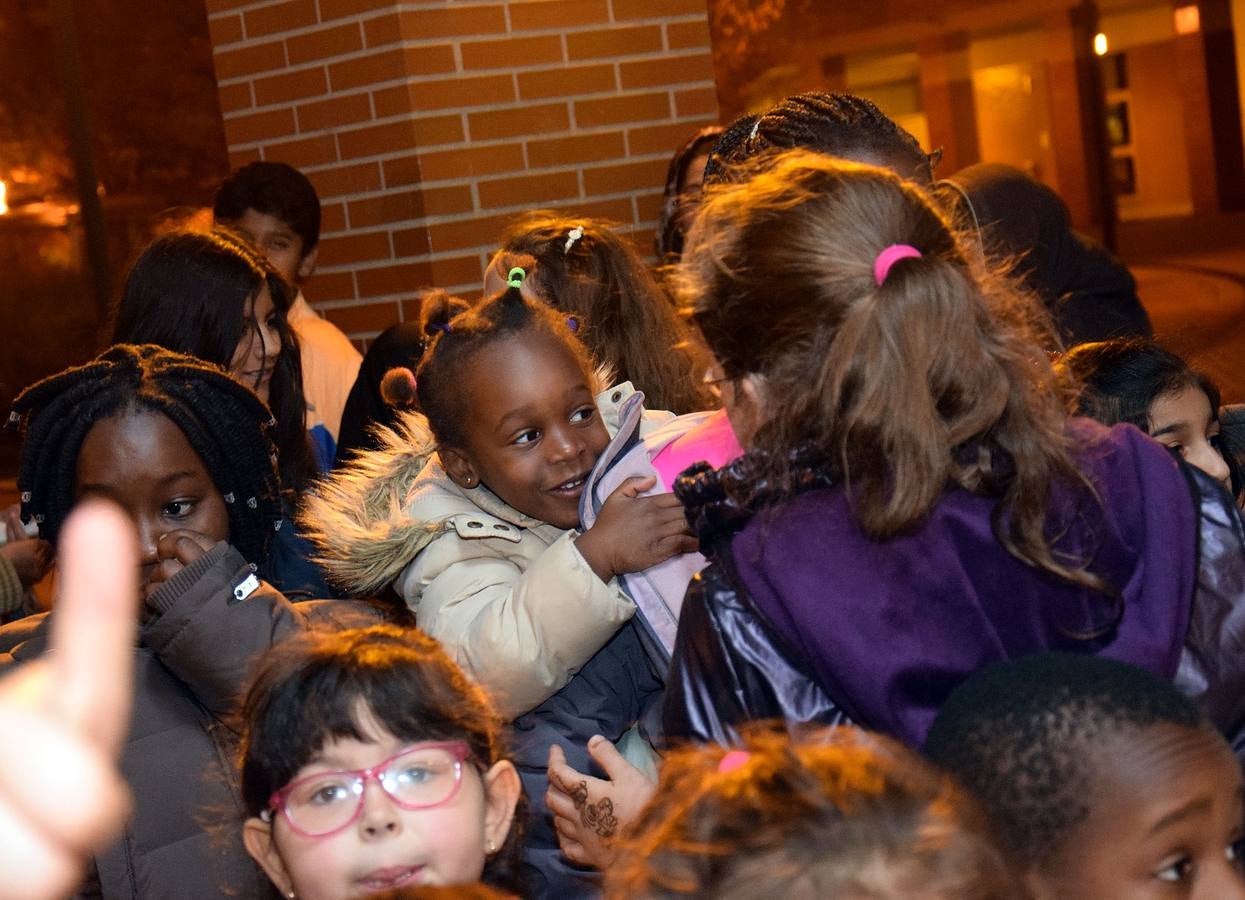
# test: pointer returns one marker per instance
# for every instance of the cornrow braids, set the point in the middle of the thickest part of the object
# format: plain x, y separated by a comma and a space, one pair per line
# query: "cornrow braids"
454, 341
839, 125
224, 422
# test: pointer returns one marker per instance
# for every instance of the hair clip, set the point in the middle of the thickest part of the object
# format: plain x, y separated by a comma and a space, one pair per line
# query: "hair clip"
276, 526
571, 237
25, 496
38, 518
736, 759
229, 498
14, 417
515, 277
573, 324
883, 262
756, 127
252, 503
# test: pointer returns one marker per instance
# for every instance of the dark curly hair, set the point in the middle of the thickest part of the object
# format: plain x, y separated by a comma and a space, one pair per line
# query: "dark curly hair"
458, 333
1025, 738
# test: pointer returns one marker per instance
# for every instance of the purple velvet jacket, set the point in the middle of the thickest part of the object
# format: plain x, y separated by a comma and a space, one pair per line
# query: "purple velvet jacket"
802, 616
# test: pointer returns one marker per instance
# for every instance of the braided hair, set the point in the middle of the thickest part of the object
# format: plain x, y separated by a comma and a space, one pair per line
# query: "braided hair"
458, 334
840, 125
224, 422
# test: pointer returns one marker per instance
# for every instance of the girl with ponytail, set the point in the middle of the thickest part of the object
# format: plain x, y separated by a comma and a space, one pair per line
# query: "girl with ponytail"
913, 503
471, 512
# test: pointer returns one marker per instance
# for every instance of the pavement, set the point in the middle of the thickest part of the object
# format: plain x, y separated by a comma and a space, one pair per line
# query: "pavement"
1196, 301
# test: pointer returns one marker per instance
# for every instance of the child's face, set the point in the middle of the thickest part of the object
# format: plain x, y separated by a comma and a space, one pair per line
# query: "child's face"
1185, 422
255, 358
277, 241
533, 432
388, 847
142, 461
1165, 819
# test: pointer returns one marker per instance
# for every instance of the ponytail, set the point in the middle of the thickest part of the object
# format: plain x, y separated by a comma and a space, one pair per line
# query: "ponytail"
932, 378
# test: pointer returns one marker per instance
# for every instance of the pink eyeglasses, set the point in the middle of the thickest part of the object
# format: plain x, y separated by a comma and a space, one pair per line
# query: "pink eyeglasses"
420, 777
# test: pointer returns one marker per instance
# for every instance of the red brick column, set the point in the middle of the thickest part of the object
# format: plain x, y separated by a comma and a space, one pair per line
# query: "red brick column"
427, 126
1206, 73
947, 95
1078, 135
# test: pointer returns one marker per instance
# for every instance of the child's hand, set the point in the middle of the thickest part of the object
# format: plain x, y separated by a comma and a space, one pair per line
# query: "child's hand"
65, 714
31, 558
176, 550
633, 533
588, 812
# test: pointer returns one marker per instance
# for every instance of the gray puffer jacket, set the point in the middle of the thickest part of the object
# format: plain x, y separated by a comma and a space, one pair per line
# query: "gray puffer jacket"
183, 838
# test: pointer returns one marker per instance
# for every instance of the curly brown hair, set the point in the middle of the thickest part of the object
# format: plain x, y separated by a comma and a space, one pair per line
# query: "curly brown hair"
835, 813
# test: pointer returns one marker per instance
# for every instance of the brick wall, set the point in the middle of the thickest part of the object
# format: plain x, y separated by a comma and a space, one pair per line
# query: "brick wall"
426, 126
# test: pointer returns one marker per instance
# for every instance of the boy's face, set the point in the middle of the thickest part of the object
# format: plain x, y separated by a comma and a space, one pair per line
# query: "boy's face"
1165, 821
277, 241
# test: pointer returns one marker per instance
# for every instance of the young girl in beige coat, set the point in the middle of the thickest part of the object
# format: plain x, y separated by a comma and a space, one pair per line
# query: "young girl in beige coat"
473, 518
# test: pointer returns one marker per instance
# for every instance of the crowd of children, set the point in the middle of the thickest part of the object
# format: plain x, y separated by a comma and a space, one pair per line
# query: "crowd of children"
837, 587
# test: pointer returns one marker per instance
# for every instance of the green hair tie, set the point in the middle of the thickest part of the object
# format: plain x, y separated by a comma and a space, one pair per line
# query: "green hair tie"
515, 277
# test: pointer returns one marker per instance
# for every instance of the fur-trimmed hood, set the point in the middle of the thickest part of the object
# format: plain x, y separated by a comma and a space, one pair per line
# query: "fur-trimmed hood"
356, 515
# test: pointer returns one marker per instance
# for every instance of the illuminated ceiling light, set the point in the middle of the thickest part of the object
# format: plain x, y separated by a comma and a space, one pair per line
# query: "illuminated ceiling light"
1188, 20
1100, 44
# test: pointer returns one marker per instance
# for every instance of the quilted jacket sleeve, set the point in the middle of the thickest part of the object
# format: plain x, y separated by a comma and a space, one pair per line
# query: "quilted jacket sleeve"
209, 636
730, 668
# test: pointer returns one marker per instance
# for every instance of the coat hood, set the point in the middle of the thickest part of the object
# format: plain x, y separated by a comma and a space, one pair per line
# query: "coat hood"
355, 515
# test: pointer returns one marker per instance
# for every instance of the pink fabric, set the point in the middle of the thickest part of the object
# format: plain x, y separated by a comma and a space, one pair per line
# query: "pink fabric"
712, 441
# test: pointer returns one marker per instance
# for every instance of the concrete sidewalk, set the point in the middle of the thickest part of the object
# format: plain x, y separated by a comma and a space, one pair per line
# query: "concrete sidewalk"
1197, 304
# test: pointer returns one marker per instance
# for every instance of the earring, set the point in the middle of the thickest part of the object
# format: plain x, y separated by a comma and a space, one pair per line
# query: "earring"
290, 895
492, 847
470, 481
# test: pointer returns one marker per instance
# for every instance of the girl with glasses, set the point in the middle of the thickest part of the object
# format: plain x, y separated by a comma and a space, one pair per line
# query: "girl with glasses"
370, 763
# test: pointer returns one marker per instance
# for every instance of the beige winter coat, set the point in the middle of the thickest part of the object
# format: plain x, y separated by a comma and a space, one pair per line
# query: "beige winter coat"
509, 597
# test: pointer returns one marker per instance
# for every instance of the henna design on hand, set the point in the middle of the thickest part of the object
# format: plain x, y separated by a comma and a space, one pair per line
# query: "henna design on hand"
598, 816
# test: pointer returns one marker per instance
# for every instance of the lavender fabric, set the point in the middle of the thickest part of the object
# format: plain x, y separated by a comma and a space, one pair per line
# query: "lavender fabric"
890, 628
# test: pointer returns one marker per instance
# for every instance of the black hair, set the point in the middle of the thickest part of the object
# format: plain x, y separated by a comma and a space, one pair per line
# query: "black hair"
1026, 738
839, 125
224, 422
1121, 378
274, 189
319, 684
458, 333
188, 292
672, 226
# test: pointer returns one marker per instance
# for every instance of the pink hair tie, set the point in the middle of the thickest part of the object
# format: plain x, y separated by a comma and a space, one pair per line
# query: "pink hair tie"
734, 760
894, 253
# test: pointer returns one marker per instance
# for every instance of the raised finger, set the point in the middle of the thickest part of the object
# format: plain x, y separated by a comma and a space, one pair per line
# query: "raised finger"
95, 621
